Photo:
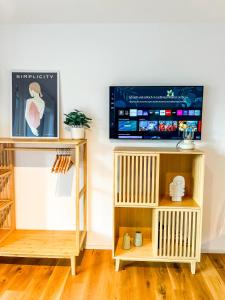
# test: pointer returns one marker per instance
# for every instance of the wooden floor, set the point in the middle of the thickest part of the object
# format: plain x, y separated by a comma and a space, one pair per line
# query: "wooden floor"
32, 279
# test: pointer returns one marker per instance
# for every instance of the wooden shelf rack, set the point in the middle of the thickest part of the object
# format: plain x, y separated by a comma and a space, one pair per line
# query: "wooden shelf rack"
171, 230
40, 243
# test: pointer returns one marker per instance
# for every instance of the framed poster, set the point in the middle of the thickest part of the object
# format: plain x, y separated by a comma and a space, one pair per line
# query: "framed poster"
35, 104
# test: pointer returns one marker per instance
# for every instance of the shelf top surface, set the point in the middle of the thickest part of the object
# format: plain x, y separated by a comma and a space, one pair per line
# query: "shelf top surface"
187, 202
39, 243
155, 150
135, 252
41, 141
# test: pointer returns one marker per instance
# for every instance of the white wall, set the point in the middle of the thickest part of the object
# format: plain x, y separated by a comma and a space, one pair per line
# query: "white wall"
92, 57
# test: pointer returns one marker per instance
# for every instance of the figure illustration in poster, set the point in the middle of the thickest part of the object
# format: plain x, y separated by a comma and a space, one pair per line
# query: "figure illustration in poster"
35, 107
35, 104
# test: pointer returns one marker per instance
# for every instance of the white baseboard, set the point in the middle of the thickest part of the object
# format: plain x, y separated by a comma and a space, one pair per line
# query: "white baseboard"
99, 246
109, 247
217, 251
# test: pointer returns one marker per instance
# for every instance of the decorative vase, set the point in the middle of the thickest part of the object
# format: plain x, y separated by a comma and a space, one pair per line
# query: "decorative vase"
126, 241
177, 188
77, 133
188, 139
187, 145
138, 239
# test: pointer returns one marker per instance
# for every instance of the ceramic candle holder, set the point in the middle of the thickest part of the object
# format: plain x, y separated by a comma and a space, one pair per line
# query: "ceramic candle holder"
138, 239
126, 241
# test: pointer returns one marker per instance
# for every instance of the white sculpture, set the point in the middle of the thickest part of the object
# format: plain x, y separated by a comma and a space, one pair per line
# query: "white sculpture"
177, 188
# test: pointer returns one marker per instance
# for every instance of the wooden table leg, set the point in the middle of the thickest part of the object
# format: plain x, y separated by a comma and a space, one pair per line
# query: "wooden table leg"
117, 267
73, 265
193, 267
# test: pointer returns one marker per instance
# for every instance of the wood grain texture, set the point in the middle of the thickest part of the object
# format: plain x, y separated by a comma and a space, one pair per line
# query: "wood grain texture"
138, 180
163, 150
41, 279
40, 243
166, 202
7, 193
41, 141
4, 172
5, 203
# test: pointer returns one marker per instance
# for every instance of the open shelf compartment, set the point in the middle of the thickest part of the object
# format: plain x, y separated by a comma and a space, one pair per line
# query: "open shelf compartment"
130, 220
191, 167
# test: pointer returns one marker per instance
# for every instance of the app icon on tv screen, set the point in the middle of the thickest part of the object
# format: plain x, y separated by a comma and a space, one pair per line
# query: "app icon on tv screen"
188, 124
167, 125
133, 112
127, 125
191, 112
148, 125
168, 112
180, 112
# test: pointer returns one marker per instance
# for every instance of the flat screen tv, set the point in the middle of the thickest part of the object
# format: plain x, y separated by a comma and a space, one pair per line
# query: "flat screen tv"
155, 112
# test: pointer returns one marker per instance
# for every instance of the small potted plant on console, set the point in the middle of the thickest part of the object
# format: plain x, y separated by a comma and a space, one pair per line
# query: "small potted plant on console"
77, 121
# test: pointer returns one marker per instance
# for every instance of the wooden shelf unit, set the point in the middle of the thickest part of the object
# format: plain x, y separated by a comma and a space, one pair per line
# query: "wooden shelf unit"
171, 230
40, 243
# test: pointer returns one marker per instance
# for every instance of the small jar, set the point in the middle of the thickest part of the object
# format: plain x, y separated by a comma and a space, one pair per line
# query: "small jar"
126, 241
138, 239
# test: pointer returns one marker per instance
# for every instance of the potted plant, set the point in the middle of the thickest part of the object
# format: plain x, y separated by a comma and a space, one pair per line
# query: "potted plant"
77, 121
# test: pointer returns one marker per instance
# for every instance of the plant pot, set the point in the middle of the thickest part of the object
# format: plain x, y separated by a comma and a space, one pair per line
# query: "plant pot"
77, 133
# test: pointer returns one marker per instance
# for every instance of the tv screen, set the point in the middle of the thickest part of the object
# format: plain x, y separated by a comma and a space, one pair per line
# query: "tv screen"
155, 112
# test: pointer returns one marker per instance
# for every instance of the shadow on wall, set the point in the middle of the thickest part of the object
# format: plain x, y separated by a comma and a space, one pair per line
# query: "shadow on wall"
26, 159
213, 229
64, 182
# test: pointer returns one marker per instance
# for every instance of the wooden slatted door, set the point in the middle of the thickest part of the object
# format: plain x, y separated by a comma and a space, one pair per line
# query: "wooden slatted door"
178, 231
136, 179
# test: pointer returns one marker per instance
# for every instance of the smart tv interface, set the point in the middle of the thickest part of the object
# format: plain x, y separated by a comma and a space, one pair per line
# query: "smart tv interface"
155, 112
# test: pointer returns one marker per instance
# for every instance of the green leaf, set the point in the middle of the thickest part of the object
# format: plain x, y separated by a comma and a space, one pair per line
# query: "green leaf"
77, 118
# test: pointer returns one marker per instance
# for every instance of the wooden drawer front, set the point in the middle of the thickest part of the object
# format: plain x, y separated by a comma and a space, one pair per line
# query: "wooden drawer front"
178, 233
136, 179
